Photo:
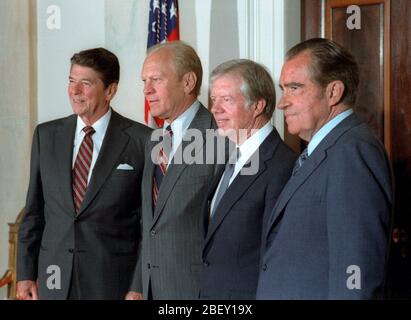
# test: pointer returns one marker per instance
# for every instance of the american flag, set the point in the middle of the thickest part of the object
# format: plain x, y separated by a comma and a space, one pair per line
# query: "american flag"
162, 27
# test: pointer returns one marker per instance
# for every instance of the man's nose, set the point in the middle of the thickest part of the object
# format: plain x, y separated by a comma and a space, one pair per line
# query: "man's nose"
148, 88
75, 88
215, 106
283, 103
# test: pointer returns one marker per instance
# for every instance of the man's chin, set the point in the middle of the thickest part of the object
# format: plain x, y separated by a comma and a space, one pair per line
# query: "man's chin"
229, 133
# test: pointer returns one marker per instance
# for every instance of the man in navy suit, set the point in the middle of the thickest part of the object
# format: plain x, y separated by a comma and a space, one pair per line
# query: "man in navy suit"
328, 234
243, 101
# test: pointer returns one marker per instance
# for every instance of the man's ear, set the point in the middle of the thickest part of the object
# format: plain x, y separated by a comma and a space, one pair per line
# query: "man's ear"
110, 91
334, 92
189, 82
259, 107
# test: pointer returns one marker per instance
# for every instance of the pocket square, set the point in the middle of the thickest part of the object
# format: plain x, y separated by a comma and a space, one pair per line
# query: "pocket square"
124, 166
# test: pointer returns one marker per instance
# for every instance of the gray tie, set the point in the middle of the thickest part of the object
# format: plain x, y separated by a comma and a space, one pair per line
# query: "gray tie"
299, 162
228, 173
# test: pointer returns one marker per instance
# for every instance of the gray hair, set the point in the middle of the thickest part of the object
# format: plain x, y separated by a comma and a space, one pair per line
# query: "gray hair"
185, 60
257, 81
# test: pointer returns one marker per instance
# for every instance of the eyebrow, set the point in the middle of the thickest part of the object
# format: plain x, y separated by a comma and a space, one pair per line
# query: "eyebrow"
83, 79
292, 84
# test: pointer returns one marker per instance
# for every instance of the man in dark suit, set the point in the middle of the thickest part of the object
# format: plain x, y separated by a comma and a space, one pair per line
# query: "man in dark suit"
80, 234
328, 234
243, 97
173, 226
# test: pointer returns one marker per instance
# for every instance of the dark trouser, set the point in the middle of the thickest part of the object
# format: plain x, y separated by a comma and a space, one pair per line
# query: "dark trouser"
74, 290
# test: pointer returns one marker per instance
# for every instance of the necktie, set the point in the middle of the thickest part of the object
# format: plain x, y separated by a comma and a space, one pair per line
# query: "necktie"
81, 167
299, 162
228, 173
163, 157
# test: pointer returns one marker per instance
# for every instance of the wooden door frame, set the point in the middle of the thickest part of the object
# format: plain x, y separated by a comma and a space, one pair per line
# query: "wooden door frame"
330, 4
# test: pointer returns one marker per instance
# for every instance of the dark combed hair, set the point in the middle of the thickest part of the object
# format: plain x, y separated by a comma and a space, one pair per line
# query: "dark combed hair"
329, 62
100, 60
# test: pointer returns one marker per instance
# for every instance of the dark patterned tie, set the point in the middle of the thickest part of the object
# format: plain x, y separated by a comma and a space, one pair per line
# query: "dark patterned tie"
299, 162
228, 173
81, 167
163, 157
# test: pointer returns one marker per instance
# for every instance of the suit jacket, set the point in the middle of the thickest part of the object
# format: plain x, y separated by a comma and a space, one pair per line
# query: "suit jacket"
232, 247
173, 232
328, 234
100, 243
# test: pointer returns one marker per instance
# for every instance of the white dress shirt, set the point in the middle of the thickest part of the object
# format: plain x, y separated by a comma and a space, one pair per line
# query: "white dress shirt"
100, 126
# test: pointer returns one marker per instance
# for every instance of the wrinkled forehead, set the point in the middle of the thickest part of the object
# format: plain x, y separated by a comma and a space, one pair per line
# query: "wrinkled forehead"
160, 59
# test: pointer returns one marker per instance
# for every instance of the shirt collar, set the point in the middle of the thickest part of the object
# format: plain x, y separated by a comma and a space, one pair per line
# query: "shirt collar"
326, 129
181, 124
100, 126
248, 147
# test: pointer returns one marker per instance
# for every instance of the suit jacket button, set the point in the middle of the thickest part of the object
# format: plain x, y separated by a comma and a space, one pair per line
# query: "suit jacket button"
71, 250
153, 233
264, 267
148, 266
76, 219
206, 263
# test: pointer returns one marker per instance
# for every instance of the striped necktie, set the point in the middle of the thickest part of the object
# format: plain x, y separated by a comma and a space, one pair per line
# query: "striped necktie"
81, 167
163, 157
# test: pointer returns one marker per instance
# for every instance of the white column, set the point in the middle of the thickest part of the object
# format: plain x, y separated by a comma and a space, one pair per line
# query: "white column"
266, 31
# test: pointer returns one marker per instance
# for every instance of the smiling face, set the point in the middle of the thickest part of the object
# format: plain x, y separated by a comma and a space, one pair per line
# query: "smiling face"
167, 95
230, 108
89, 98
305, 105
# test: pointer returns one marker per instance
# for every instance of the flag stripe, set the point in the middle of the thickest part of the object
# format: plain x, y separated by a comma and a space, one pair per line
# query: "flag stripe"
163, 25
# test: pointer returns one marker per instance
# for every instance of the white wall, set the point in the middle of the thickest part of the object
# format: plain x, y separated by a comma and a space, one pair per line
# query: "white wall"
82, 26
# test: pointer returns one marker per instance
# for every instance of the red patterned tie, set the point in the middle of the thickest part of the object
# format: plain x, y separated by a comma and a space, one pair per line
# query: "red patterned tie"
81, 167
162, 162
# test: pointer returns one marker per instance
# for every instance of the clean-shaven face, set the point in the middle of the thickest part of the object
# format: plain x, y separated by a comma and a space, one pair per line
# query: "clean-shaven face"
303, 101
87, 92
162, 88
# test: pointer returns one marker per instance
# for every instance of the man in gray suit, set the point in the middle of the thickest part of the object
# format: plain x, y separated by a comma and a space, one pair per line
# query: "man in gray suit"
243, 97
80, 234
328, 235
170, 265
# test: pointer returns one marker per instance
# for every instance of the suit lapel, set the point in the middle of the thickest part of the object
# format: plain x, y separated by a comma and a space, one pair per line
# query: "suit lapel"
64, 155
113, 145
310, 165
201, 121
296, 181
241, 183
148, 177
